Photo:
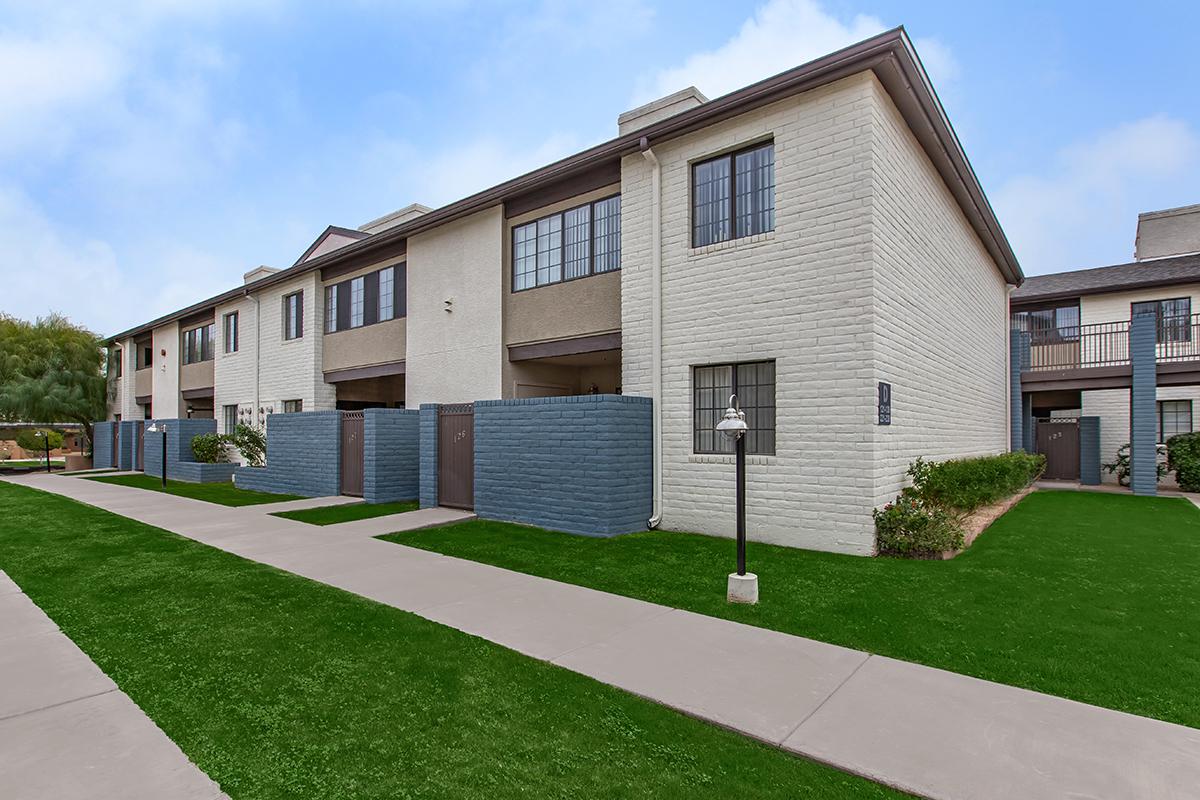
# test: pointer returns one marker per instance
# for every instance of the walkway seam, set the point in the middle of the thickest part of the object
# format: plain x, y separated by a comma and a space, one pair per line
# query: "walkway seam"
828, 697
62, 703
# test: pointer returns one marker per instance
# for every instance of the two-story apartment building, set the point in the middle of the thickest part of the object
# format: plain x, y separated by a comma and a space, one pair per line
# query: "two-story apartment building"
812, 243
1078, 324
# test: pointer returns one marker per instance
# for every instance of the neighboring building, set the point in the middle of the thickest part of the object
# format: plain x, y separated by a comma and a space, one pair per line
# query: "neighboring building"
1078, 323
801, 241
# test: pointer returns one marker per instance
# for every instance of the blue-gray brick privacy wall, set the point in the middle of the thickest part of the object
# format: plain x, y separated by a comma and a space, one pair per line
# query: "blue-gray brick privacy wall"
102, 441
1089, 451
429, 461
181, 462
303, 456
128, 442
577, 464
1143, 410
1018, 358
391, 454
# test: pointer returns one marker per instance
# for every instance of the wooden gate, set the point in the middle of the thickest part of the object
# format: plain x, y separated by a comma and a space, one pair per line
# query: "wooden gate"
116, 444
1058, 441
456, 456
352, 453
139, 455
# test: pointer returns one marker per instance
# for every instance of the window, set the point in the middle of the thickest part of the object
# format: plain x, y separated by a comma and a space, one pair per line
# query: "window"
356, 303
293, 406
733, 195
581, 241
117, 365
147, 357
229, 332
1174, 318
198, 343
1174, 418
754, 384
387, 294
1047, 325
231, 418
331, 304
293, 315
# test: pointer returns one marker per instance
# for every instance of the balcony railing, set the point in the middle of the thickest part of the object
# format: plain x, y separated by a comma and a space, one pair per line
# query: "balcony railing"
1106, 344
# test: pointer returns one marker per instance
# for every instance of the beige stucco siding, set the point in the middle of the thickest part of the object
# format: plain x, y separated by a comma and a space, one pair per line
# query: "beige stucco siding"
800, 295
381, 343
196, 376
1115, 307
166, 400
940, 314
143, 382
455, 356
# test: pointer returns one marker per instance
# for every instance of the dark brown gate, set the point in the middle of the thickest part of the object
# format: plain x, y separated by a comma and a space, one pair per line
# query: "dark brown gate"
116, 444
140, 454
1058, 441
456, 456
352, 453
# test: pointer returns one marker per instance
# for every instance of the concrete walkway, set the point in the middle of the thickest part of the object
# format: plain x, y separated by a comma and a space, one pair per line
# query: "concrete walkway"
926, 731
66, 731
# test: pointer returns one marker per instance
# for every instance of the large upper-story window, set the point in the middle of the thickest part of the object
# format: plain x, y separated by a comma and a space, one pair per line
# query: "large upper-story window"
581, 241
733, 195
1174, 318
375, 297
198, 343
293, 315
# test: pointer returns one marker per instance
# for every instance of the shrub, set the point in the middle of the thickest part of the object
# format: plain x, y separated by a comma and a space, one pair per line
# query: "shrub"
1122, 466
28, 439
210, 448
1183, 458
908, 527
251, 442
966, 484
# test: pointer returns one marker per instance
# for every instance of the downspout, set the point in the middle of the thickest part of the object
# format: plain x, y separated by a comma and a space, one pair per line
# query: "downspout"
655, 325
257, 353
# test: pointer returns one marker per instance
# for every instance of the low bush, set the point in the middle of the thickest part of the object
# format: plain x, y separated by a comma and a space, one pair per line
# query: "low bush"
1183, 458
29, 440
210, 448
927, 517
251, 442
1121, 467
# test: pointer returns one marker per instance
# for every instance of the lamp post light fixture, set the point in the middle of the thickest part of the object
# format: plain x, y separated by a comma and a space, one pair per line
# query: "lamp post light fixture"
742, 586
161, 427
45, 437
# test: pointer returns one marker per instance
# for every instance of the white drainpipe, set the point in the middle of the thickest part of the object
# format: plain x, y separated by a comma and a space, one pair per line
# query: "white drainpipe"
257, 355
655, 323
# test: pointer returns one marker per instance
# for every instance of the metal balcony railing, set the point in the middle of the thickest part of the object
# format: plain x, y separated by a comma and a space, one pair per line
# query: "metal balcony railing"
1106, 344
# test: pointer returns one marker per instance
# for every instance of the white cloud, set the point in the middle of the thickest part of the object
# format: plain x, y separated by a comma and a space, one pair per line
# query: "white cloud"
1082, 211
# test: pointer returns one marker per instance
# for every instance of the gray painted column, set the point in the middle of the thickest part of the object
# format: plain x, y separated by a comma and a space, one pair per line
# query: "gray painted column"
1143, 410
1089, 451
1018, 358
1029, 426
428, 456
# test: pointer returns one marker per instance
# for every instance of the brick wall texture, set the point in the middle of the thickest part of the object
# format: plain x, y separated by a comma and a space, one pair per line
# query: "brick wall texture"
428, 455
102, 443
181, 463
1089, 451
128, 443
391, 454
303, 456
1143, 408
577, 464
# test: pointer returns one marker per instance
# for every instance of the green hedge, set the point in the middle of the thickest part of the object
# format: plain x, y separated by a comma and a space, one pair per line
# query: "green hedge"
926, 518
1183, 458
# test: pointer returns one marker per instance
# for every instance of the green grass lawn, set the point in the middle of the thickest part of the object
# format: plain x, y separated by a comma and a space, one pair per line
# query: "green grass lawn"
22, 464
224, 493
280, 687
1090, 596
331, 515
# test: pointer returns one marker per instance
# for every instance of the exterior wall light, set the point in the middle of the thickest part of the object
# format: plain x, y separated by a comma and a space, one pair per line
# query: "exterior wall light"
45, 437
742, 586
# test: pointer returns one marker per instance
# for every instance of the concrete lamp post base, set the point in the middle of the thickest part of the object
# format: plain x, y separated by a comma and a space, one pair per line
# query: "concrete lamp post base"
743, 588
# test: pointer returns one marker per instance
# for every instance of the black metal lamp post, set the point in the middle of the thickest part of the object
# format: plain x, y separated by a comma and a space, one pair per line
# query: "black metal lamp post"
742, 586
161, 427
46, 440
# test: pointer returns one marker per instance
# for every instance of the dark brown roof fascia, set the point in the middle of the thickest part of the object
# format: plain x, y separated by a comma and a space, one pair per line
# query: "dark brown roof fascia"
350, 232
890, 55
360, 373
1041, 299
595, 343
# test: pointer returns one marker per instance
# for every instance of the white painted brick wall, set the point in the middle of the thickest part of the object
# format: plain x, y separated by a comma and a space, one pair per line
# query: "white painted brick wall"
233, 373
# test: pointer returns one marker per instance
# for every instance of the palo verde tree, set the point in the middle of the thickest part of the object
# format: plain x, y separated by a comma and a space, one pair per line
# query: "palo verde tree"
51, 371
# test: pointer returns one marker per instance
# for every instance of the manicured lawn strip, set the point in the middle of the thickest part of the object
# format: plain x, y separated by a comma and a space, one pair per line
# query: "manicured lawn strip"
1087, 596
225, 494
331, 515
23, 464
280, 687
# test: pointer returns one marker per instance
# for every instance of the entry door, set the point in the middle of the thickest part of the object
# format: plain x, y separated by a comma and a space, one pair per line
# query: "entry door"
140, 454
456, 456
116, 444
1058, 441
352, 453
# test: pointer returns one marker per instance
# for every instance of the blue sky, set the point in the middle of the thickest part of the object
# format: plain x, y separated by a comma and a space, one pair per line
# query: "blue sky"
153, 151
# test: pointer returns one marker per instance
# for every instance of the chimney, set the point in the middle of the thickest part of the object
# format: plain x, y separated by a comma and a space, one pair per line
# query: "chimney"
409, 212
660, 109
1171, 232
258, 272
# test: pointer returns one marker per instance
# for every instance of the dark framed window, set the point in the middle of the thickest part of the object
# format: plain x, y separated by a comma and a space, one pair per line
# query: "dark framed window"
117, 365
375, 297
387, 294
230, 414
754, 384
229, 332
147, 355
581, 241
1174, 418
733, 195
293, 406
198, 343
1059, 323
293, 315
331, 306
1174, 317
357, 301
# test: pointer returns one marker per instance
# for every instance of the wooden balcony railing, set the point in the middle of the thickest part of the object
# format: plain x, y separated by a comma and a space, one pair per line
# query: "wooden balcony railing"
1106, 344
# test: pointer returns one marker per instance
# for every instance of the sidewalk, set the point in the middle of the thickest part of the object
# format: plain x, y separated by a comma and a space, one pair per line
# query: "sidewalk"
66, 731
926, 731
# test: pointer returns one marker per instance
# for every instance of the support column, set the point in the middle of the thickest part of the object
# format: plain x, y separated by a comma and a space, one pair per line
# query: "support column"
1089, 451
1019, 405
1143, 410
429, 456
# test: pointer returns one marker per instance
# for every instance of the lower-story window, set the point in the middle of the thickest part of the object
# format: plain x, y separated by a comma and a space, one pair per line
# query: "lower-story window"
1174, 418
754, 384
293, 406
230, 414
